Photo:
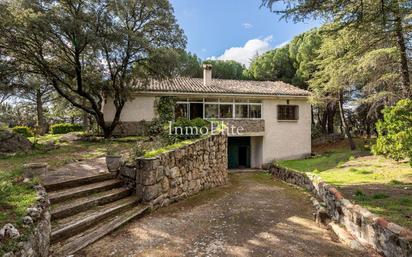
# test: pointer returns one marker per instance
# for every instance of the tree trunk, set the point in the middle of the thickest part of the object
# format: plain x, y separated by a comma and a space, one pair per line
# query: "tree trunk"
41, 122
400, 41
344, 124
331, 117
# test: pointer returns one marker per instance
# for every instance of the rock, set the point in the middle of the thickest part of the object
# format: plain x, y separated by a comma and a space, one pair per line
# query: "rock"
35, 169
27, 220
11, 142
9, 231
71, 137
33, 212
9, 254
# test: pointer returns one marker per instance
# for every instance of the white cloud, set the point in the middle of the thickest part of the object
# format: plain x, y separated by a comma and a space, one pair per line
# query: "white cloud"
244, 54
247, 25
282, 44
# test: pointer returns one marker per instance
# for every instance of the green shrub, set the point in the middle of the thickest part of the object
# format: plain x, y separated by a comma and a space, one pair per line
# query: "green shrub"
64, 128
23, 130
395, 132
183, 123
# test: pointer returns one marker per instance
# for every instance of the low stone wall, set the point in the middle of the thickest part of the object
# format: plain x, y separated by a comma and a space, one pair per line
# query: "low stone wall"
131, 128
39, 220
179, 173
388, 238
249, 125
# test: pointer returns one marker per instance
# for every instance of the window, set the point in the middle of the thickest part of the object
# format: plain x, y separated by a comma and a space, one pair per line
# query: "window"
255, 111
181, 111
226, 111
211, 111
196, 110
241, 111
288, 112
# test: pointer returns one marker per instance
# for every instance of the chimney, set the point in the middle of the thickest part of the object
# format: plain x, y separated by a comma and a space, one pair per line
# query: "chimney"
207, 74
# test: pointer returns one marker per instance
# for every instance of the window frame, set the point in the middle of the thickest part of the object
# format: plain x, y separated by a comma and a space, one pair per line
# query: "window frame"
233, 102
288, 105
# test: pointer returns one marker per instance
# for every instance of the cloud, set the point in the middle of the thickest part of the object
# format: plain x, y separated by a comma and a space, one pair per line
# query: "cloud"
247, 25
282, 44
244, 54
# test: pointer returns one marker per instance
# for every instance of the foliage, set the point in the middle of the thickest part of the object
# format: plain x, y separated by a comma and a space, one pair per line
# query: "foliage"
67, 42
165, 108
167, 148
395, 131
226, 69
184, 129
64, 128
138, 150
188, 65
273, 65
23, 130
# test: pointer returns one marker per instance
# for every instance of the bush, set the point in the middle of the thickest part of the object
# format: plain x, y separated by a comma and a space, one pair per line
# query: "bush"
64, 128
395, 132
23, 130
183, 123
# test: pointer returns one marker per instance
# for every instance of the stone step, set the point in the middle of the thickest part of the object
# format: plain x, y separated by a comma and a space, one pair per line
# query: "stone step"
71, 207
93, 234
70, 193
75, 224
75, 182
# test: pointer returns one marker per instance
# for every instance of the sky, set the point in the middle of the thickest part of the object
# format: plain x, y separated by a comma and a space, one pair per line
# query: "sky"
233, 29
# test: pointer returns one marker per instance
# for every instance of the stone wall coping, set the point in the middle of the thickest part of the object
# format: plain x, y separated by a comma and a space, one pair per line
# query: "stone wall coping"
35, 165
175, 149
370, 218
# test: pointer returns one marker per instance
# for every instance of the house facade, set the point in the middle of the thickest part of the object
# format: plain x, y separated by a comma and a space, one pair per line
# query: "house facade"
274, 117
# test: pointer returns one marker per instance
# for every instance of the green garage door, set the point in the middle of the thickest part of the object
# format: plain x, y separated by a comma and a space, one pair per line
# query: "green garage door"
238, 152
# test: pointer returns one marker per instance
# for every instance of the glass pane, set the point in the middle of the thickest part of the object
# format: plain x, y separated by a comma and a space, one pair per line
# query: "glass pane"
196, 110
180, 111
255, 111
241, 111
226, 111
241, 100
211, 111
254, 101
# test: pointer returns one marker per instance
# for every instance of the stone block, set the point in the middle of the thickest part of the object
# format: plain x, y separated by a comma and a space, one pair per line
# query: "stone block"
151, 192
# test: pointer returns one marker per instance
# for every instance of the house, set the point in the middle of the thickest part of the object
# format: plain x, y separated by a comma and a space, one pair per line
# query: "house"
275, 117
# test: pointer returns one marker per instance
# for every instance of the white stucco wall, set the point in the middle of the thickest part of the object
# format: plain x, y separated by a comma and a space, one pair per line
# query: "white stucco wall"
256, 152
286, 139
140, 108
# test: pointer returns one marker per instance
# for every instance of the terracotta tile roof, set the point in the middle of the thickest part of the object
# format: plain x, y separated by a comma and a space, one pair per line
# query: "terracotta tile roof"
222, 86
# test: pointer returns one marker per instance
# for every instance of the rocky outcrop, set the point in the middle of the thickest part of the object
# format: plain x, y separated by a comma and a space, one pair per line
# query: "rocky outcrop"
388, 238
11, 142
179, 173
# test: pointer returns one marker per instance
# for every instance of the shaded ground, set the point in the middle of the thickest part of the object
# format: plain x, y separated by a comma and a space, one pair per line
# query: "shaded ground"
252, 216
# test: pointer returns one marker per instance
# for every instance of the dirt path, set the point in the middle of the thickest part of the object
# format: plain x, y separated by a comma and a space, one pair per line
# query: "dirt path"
252, 216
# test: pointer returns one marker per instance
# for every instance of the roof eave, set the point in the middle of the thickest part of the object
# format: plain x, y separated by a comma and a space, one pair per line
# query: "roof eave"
203, 94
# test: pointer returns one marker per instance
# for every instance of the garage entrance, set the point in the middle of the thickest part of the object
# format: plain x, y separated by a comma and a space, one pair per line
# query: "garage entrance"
238, 152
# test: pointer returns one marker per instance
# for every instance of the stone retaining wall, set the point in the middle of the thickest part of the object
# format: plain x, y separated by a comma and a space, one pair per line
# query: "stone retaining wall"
39, 219
388, 238
179, 173
131, 128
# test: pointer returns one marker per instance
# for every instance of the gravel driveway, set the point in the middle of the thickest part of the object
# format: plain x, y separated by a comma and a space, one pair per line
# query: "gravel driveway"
253, 215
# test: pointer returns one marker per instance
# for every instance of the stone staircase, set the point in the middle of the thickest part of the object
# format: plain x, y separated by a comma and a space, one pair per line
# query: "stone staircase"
85, 209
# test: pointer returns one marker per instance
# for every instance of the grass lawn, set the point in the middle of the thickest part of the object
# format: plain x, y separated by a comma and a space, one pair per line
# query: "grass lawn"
16, 196
382, 185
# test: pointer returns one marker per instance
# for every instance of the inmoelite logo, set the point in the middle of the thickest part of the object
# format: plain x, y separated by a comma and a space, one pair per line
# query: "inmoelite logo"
216, 127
